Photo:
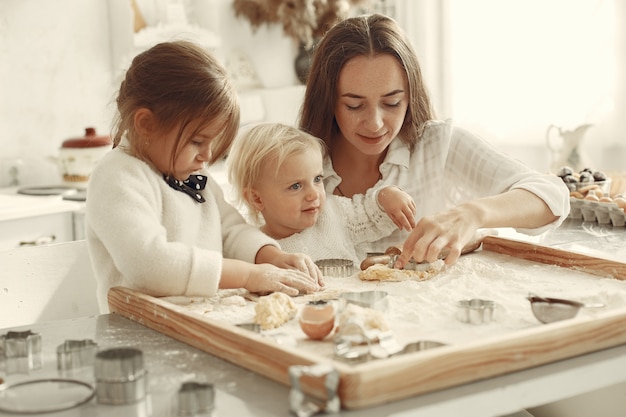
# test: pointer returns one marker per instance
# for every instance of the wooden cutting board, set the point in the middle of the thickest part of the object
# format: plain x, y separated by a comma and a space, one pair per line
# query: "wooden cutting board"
381, 381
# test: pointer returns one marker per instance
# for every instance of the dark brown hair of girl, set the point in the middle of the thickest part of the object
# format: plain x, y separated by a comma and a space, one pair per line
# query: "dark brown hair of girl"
180, 83
368, 35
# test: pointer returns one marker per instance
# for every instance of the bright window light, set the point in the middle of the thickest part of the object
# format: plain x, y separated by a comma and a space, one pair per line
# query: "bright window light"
518, 66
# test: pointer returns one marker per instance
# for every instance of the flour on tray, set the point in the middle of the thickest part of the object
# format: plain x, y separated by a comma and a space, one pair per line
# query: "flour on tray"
426, 310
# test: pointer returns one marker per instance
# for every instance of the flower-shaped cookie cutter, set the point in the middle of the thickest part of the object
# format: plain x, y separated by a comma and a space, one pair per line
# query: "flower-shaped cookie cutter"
22, 350
73, 354
475, 311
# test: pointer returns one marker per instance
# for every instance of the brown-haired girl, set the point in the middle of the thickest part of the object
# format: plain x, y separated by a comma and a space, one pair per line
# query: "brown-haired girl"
156, 221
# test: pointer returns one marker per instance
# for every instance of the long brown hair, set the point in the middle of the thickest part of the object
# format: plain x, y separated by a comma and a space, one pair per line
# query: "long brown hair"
179, 82
368, 35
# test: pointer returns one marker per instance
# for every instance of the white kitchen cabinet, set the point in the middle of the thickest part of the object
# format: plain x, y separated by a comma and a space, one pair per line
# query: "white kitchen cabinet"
38, 220
37, 230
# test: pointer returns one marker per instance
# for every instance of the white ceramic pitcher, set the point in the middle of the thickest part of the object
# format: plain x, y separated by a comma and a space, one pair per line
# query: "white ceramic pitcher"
565, 147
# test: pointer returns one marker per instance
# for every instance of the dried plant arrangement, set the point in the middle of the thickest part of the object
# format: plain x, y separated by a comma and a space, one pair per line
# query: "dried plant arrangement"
302, 20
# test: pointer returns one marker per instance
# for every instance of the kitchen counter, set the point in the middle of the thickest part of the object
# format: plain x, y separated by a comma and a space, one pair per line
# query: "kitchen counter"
240, 392
39, 219
18, 206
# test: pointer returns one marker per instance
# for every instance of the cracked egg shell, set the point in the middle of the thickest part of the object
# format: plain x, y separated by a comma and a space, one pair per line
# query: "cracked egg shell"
317, 319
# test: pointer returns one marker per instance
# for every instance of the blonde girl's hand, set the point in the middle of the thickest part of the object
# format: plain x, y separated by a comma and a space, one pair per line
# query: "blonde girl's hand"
398, 205
269, 278
299, 261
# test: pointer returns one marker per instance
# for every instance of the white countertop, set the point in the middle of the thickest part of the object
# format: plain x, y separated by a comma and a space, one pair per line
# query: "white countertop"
17, 206
243, 393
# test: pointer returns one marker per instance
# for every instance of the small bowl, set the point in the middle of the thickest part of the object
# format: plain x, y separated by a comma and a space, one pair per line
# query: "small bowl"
599, 188
549, 310
317, 319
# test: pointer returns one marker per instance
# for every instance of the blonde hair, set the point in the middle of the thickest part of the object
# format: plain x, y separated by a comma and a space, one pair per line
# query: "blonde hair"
253, 151
180, 83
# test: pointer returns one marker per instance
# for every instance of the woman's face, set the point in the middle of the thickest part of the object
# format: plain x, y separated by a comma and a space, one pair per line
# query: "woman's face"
291, 198
372, 100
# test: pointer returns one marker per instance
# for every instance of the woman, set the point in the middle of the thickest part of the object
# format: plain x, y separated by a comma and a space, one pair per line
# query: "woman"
366, 99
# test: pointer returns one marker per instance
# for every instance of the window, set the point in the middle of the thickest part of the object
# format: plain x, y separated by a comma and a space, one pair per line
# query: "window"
517, 67
511, 68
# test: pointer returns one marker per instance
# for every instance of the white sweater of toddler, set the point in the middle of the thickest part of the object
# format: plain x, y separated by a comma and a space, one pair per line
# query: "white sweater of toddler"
344, 224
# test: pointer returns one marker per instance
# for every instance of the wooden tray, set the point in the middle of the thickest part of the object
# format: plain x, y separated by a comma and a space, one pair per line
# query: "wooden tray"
381, 381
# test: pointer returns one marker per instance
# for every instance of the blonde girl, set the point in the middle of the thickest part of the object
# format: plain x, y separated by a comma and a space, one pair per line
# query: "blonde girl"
277, 172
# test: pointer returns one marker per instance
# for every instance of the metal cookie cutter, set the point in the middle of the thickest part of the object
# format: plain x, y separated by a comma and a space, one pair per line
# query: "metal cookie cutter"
195, 398
120, 376
335, 267
22, 351
475, 311
73, 354
352, 343
374, 299
297, 398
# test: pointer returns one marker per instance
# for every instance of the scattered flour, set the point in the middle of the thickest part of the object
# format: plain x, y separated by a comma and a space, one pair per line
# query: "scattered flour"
426, 310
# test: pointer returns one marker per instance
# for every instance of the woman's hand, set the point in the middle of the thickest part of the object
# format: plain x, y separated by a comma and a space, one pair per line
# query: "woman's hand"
398, 205
299, 261
451, 230
446, 233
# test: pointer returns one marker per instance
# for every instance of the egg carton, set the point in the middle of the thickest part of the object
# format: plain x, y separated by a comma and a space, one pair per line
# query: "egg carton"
594, 211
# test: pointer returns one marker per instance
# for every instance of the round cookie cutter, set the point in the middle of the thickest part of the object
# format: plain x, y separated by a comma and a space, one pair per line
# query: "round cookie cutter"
40, 396
335, 267
475, 311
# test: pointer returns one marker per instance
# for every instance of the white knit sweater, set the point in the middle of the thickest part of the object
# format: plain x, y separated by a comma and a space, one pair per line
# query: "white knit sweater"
343, 225
450, 165
145, 235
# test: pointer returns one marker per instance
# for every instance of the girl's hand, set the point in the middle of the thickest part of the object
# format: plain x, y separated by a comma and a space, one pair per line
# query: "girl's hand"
299, 261
269, 278
398, 205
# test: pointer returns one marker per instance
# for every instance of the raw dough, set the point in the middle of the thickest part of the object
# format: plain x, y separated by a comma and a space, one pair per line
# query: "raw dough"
379, 272
368, 318
274, 310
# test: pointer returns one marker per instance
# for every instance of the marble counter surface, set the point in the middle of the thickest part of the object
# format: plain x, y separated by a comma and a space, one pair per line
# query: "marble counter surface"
240, 392
17, 206
244, 394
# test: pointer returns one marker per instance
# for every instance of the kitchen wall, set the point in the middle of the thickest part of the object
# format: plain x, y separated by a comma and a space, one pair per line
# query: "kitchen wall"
56, 80
62, 62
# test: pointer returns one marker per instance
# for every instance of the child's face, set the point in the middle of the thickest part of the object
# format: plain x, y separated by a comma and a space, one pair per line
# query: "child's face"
291, 198
192, 157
